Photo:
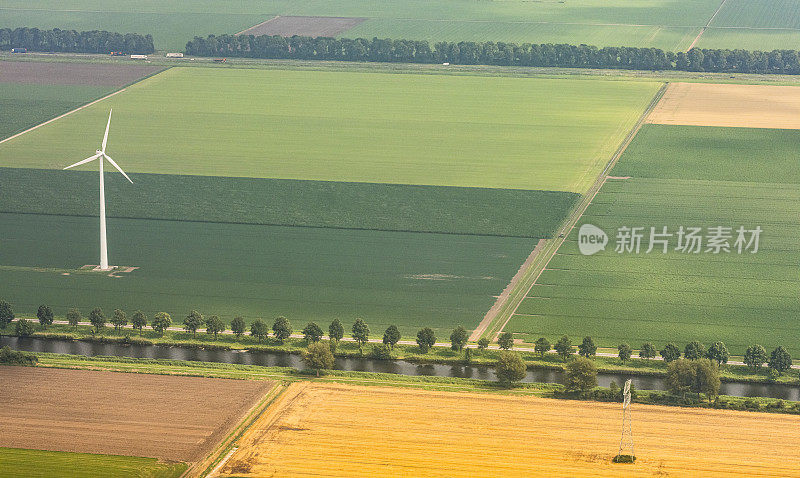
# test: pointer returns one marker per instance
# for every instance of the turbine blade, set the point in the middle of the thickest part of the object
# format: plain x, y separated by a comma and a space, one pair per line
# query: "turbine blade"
117, 166
108, 125
84, 161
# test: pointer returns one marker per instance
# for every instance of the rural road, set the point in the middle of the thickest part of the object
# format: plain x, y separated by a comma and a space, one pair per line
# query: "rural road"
402, 342
528, 275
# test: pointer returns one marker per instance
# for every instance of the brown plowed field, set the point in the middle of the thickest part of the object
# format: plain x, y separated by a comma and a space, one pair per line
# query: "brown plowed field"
304, 26
159, 416
50, 73
343, 431
748, 106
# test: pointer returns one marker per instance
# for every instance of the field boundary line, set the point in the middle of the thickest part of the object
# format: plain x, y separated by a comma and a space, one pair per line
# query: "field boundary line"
503, 297
537, 268
271, 411
120, 90
257, 25
63, 115
271, 224
226, 445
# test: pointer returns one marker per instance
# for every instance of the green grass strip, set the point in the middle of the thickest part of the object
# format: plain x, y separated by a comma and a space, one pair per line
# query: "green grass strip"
39, 463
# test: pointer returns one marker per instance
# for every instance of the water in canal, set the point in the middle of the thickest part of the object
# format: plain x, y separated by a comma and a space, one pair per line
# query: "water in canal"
362, 364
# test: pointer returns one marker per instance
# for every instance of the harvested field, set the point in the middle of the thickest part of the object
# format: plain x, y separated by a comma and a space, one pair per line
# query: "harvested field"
305, 26
750, 106
157, 416
338, 430
87, 74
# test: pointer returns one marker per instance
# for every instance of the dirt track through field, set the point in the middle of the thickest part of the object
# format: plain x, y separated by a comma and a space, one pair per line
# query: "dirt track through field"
503, 297
53, 73
159, 416
748, 106
708, 23
304, 26
343, 431
530, 275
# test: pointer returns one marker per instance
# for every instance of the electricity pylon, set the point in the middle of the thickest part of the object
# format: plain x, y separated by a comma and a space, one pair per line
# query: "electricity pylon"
626, 441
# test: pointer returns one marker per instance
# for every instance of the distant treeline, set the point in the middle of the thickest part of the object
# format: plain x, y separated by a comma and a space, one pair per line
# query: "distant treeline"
72, 41
494, 53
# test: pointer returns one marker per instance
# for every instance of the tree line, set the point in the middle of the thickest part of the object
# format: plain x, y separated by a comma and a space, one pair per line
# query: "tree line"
697, 372
695, 369
778, 361
494, 53
71, 41
690, 374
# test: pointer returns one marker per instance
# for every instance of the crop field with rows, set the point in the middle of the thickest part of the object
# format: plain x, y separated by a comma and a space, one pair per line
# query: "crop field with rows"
692, 177
412, 280
442, 130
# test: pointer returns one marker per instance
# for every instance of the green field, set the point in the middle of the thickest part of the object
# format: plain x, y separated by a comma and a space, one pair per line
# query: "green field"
170, 29
672, 38
286, 202
350, 156
410, 279
751, 155
339, 126
25, 105
16, 462
694, 177
763, 39
759, 14
755, 25
659, 23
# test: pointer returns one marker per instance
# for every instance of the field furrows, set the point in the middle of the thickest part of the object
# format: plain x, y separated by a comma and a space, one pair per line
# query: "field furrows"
121, 414
683, 176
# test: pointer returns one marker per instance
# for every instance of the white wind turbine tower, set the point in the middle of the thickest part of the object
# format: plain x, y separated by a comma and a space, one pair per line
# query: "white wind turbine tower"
101, 154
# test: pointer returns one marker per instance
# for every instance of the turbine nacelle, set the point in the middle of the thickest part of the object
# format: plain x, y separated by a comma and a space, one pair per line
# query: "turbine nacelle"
101, 153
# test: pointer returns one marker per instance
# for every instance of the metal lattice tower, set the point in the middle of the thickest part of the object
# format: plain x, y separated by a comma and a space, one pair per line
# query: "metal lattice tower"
626, 441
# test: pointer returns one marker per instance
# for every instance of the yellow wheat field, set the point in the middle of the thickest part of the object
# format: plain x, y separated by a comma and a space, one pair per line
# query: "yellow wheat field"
749, 106
344, 431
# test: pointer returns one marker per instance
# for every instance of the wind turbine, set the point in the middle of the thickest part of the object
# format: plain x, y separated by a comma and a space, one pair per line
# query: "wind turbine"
101, 154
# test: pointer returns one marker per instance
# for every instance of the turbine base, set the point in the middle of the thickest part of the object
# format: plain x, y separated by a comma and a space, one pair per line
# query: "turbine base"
97, 268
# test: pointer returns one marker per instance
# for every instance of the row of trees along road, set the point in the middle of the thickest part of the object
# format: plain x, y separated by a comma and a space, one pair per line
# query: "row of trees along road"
778, 361
694, 372
511, 367
71, 41
495, 53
